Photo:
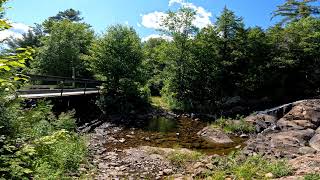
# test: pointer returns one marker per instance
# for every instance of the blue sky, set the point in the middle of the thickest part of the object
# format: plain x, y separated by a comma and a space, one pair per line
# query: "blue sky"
141, 14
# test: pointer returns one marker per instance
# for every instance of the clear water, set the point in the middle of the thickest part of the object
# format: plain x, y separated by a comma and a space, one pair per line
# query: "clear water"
171, 133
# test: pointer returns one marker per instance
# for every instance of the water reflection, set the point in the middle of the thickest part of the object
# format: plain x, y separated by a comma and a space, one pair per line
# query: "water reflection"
162, 125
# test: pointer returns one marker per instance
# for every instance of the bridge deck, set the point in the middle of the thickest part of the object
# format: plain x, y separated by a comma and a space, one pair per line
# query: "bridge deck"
59, 87
54, 93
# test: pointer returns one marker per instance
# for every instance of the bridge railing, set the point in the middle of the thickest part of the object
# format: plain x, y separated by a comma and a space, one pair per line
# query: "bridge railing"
46, 85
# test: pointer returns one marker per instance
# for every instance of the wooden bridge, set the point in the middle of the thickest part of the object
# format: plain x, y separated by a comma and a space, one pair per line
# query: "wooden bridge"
42, 86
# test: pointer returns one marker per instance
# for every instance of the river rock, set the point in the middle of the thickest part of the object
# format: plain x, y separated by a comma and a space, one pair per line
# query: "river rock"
214, 135
279, 144
261, 121
315, 142
307, 150
286, 124
167, 171
306, 110
306, 164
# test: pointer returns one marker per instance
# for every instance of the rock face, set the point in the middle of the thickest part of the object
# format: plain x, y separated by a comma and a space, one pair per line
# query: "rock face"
291, 136
261, 121
306, 164
315, 142
214, 135
302, 116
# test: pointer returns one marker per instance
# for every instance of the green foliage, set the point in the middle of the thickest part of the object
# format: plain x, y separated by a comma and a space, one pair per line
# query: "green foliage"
64, 48
180, 26
58, 154
180, 158
39, 144
279, 169
34, 143
154, 63
116, 58
234, 126
294, 10
237, 166
32, 38
312, 176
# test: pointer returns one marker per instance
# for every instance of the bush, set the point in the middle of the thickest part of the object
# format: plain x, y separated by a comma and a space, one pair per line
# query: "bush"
238, 166
279, 169
312, 176
66, 121
234, 126
180, 158
40, 145
58, 154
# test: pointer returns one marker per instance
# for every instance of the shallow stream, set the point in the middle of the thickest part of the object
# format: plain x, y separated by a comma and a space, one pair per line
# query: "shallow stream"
170, 133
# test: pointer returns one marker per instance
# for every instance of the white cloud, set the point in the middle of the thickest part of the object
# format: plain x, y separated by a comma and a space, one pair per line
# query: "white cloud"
168, 38
153, 20
202, 18
171, 2
15, 31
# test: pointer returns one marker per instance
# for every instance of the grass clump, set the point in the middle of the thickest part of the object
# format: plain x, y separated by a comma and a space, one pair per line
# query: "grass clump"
234, 126
181, 158
159, 102
312, 176
236, 166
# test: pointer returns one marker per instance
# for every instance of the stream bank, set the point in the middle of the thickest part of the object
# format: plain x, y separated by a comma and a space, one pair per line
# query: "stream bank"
158, 149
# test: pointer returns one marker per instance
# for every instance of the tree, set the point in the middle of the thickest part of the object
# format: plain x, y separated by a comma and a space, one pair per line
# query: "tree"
293, 10
294, 58
116, 58
178, 25
11, 63
62, 50
69, 14
32, 38
232, 48
154, 63
204, 84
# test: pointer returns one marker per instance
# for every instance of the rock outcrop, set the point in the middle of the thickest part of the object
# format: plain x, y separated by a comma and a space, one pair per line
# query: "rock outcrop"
291, 136
214, 135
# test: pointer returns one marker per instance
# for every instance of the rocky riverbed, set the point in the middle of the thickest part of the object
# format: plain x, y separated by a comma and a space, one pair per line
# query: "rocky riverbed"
139, 153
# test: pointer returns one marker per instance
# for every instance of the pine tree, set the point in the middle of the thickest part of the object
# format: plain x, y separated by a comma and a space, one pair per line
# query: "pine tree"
293, 10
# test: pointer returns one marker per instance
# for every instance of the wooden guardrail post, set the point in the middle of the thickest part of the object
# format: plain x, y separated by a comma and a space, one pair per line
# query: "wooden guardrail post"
62, 86
85, 87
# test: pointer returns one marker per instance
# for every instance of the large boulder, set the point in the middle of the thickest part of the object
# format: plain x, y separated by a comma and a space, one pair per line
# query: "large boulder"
315, 142
214, 135
280, 144
286, 124
306, 164
261, 121
303, 115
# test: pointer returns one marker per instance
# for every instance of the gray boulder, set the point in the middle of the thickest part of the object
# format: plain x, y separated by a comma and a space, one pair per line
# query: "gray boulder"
214, 135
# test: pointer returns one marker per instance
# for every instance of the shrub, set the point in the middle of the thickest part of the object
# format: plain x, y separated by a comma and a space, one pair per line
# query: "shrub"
254, 167
234, 126
66, 121
312, 176
58, 154
40, 145
279, 169
180, 158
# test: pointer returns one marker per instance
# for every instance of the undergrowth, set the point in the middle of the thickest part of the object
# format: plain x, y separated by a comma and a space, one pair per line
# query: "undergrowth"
236, 166
181, 158
36, 144
233, 126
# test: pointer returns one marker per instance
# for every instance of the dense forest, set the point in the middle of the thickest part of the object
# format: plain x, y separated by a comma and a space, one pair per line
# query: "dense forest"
198, 70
